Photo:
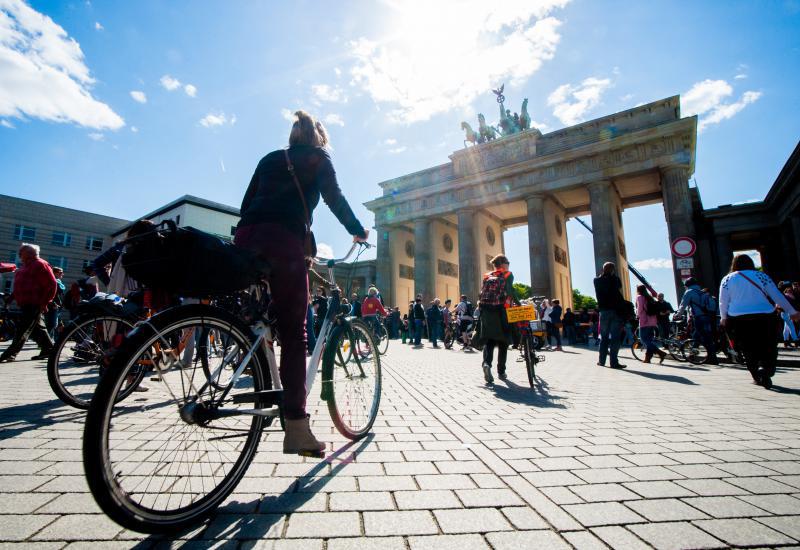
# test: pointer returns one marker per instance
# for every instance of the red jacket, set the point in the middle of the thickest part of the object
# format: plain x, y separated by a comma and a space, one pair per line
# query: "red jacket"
371, 306
34, 284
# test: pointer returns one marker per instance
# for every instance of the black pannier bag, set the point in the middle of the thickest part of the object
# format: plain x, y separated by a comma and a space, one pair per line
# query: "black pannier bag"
189, 262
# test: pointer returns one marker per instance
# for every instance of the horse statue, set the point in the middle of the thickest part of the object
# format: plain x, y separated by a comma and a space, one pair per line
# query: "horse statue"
487, 133
471, 135
525, 118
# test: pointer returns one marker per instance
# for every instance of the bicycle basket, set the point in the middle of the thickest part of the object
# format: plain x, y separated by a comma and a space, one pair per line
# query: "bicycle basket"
190, 263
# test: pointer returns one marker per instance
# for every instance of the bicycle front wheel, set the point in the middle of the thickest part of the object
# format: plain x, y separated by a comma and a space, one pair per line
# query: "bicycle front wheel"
74, 367
165, 460
351, 384
529, 354
695, 352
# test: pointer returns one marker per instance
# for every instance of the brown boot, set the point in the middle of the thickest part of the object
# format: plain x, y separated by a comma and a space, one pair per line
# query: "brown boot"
661, 356
647, 356
298, 438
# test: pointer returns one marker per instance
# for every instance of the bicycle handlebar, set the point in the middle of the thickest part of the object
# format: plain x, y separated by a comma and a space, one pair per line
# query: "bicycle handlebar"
329, 261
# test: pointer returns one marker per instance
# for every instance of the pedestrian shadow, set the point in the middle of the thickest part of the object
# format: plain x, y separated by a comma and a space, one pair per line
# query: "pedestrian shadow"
254, 519
19, 419
538, 396
782, 389
682, 367
662, 377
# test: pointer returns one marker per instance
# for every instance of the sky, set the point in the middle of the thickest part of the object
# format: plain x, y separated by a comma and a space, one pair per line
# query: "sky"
120, 107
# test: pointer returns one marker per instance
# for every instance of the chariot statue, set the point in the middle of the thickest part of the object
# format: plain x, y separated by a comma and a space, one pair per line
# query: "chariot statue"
507, 125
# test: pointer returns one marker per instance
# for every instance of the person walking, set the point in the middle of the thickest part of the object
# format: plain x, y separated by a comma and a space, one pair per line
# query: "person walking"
789, 330
665, 311
34, 288
554, 327
320, 303
370, 308
569, 321
54, 308
355, 305
610, 302
747, 300
647, 312
276, 213
464, 316
703, 311
497, 293
435, 321
418, 316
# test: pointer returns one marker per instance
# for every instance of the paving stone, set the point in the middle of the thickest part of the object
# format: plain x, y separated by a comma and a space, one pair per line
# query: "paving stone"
675, 536
245, 526
697, 471
77, 526
650, 473
561, 495
775, 504
293, 502
286, 544
386, 483
745, 469
526, 539
24, 503
667, 509
477, 498
20, 527
711, 487
447, 542
584, 540
324, 524
606, 513
410, 468
760, 485
725, 507
603, 492
619, 537
524, 518
426, 500
603, 475
474, 520
452, 481
788, 525
417, 522
360, 501
743, 532
550, 479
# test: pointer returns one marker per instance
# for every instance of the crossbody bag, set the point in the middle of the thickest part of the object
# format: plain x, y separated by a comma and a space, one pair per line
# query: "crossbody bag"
309, 242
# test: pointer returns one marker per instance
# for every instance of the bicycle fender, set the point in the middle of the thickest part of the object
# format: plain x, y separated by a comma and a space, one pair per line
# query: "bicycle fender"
328, 358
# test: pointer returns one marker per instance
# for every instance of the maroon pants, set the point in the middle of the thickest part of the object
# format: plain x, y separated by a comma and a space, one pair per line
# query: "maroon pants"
288, 282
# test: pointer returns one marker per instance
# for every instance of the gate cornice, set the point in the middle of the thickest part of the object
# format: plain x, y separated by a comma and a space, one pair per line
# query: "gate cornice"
666, 144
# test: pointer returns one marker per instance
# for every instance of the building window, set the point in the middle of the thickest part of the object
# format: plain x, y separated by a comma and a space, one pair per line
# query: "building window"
447, 242
410, 249
490, 236
14, 259
61, 238
86, 263
178, 219
233, 230
24, 233
58, 261
94, 243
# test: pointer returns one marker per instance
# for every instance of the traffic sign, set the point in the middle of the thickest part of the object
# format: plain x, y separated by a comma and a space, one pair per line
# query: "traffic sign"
684, 263
684, 247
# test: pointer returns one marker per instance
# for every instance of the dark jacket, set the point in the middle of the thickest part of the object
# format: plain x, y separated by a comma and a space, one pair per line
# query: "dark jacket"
272, 195
608, 289
555, 315
434, 315
569, 319
418, 312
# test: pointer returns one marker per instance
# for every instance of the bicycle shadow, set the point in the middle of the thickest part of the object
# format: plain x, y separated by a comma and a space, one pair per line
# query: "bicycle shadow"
538, 396
662, 377
19, 419
260, 518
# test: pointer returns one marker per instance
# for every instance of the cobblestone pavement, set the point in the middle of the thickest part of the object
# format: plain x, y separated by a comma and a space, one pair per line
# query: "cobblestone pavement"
664, 456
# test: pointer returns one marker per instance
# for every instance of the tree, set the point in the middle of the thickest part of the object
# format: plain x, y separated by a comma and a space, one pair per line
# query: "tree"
580, 301
523, 291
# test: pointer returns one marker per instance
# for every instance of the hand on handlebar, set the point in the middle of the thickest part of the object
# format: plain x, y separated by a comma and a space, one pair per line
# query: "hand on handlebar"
357, 239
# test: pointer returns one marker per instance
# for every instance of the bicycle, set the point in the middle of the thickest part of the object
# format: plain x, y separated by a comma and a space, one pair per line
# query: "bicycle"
380, 333
8, 325
449, 335
167, 459
527, 349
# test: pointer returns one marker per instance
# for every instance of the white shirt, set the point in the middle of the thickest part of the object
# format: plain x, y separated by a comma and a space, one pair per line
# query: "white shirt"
737, 296
461, 312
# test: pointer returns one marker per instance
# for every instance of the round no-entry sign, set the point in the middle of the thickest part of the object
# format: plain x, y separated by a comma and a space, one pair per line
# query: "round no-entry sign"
683, 247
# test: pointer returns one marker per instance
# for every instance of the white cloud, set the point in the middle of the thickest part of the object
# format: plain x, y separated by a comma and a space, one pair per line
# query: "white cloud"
390, 141
139, 96
43, 74
7, 124
169, 83
288, 114
572, 102
217, 119
337, 71
442, 55
134, 129
191, 90
740, 76
333, 118
331, 94
97, 136
398, 150
324, 250
98, 26
706, 99
653, 263
222, 165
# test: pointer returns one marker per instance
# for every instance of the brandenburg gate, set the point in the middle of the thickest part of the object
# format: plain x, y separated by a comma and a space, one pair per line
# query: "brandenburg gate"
438, 228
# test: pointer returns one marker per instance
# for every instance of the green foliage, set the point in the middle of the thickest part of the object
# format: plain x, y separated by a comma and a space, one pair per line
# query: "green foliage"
580, 301
523, 291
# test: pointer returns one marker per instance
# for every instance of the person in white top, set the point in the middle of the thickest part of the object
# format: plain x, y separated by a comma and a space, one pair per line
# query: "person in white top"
747, 301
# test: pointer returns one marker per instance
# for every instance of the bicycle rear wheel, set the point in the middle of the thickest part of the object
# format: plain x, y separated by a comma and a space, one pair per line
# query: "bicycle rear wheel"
529, 353
695, 352
381, 338
74, 368
352, 384
636, 349
168, 458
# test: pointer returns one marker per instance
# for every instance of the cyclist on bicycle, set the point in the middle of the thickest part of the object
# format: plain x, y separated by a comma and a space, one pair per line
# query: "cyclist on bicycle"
273, 224
370, 308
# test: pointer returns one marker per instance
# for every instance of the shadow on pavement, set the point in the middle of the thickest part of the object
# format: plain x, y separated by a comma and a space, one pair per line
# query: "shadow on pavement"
663, 377
21, 418
239, 517
538, 396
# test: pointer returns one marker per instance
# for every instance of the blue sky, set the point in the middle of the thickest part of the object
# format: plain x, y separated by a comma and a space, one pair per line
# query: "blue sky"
118, 108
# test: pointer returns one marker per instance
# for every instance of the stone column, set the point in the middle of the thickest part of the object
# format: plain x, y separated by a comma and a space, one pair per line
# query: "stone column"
538, 247
468, 261
424, 268
384, 265
604, 234
724, 256
678, 211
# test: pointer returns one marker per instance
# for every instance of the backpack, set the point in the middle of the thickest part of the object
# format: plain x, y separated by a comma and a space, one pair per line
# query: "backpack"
493, 290
470, 309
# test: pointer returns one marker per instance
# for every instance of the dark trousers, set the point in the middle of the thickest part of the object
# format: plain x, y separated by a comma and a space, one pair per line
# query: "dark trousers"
756, 336
288, 283
648, 335
30, 325
553, 332
502, 352
704, 333
663, 327
610, 335
418, 332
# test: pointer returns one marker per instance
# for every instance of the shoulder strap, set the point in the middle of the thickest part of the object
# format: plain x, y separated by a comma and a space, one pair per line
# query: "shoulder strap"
290, 166
749, 280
